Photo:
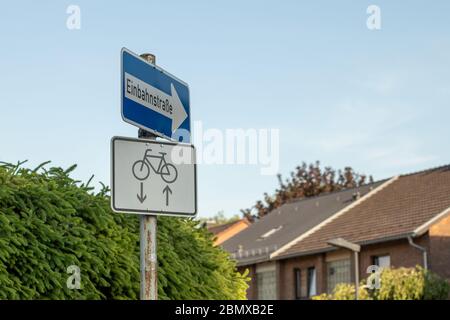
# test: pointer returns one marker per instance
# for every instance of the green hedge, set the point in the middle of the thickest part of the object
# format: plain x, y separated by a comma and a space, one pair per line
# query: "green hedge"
48, 221
396, 284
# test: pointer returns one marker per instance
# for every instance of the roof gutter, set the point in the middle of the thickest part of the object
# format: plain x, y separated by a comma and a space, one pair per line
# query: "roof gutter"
423, 249
247, 262
402, 236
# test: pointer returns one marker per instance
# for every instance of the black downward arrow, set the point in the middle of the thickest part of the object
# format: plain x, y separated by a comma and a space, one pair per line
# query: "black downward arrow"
141, 197
166, 190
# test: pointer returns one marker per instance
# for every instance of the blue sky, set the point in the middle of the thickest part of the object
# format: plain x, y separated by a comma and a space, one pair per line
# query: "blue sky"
339, 93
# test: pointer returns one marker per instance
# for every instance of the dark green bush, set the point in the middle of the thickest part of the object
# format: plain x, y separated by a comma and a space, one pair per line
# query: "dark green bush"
48, 221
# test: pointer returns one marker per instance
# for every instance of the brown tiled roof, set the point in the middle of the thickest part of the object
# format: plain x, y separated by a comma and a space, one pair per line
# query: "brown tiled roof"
284, 224
216, 229
396, 210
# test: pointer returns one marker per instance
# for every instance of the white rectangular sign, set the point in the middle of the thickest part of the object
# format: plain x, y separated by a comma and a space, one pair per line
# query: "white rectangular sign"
153, 177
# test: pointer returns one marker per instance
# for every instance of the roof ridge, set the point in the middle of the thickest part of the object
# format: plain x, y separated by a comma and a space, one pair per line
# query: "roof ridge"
426, 170
367, 184
333, 217
331, 193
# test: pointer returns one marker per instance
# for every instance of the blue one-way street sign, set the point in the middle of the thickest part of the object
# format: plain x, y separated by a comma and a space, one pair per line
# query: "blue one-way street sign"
153, 99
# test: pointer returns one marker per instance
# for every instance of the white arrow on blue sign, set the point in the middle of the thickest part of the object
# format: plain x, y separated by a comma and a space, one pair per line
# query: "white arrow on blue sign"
153, 99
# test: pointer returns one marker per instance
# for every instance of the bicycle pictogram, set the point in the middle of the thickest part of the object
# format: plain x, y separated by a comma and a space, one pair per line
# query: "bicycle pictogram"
167, 171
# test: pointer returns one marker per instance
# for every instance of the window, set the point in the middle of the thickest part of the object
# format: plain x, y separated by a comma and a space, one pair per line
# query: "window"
382, 261
266, 284
311, 282
297, 283
337, 272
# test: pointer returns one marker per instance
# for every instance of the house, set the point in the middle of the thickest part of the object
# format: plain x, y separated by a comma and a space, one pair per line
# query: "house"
225, 231
252, 248
401, 222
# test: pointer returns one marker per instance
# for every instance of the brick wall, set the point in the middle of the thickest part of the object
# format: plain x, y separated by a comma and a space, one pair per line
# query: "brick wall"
401, 253
286, 282
439, 254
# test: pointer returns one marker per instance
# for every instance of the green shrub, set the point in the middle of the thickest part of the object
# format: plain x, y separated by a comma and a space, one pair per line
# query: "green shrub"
396, 284
344, 291
48, 221
411, 284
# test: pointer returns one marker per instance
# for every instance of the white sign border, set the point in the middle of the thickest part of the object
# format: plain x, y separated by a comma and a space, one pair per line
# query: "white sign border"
147, 212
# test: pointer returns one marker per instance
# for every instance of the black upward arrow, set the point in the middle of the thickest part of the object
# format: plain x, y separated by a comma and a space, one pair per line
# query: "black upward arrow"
141, 197
166, 190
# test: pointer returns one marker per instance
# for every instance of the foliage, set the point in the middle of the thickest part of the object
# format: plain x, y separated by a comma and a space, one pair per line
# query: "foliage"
396, 284
411, 284
344, 291
191, 267
48, 221
220, 218
307, 181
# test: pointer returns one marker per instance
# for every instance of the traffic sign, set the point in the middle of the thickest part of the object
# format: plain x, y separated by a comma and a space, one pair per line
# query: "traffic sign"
150, 176
153, 99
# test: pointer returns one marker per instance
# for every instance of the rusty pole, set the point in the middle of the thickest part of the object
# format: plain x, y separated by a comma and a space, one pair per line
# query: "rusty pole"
147, 241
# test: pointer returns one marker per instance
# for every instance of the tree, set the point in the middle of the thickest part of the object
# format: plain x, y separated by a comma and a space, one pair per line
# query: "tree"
220, 218
306, 181
49, 222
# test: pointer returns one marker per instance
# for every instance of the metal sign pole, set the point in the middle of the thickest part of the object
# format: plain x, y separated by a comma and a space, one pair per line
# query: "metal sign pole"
147, 239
